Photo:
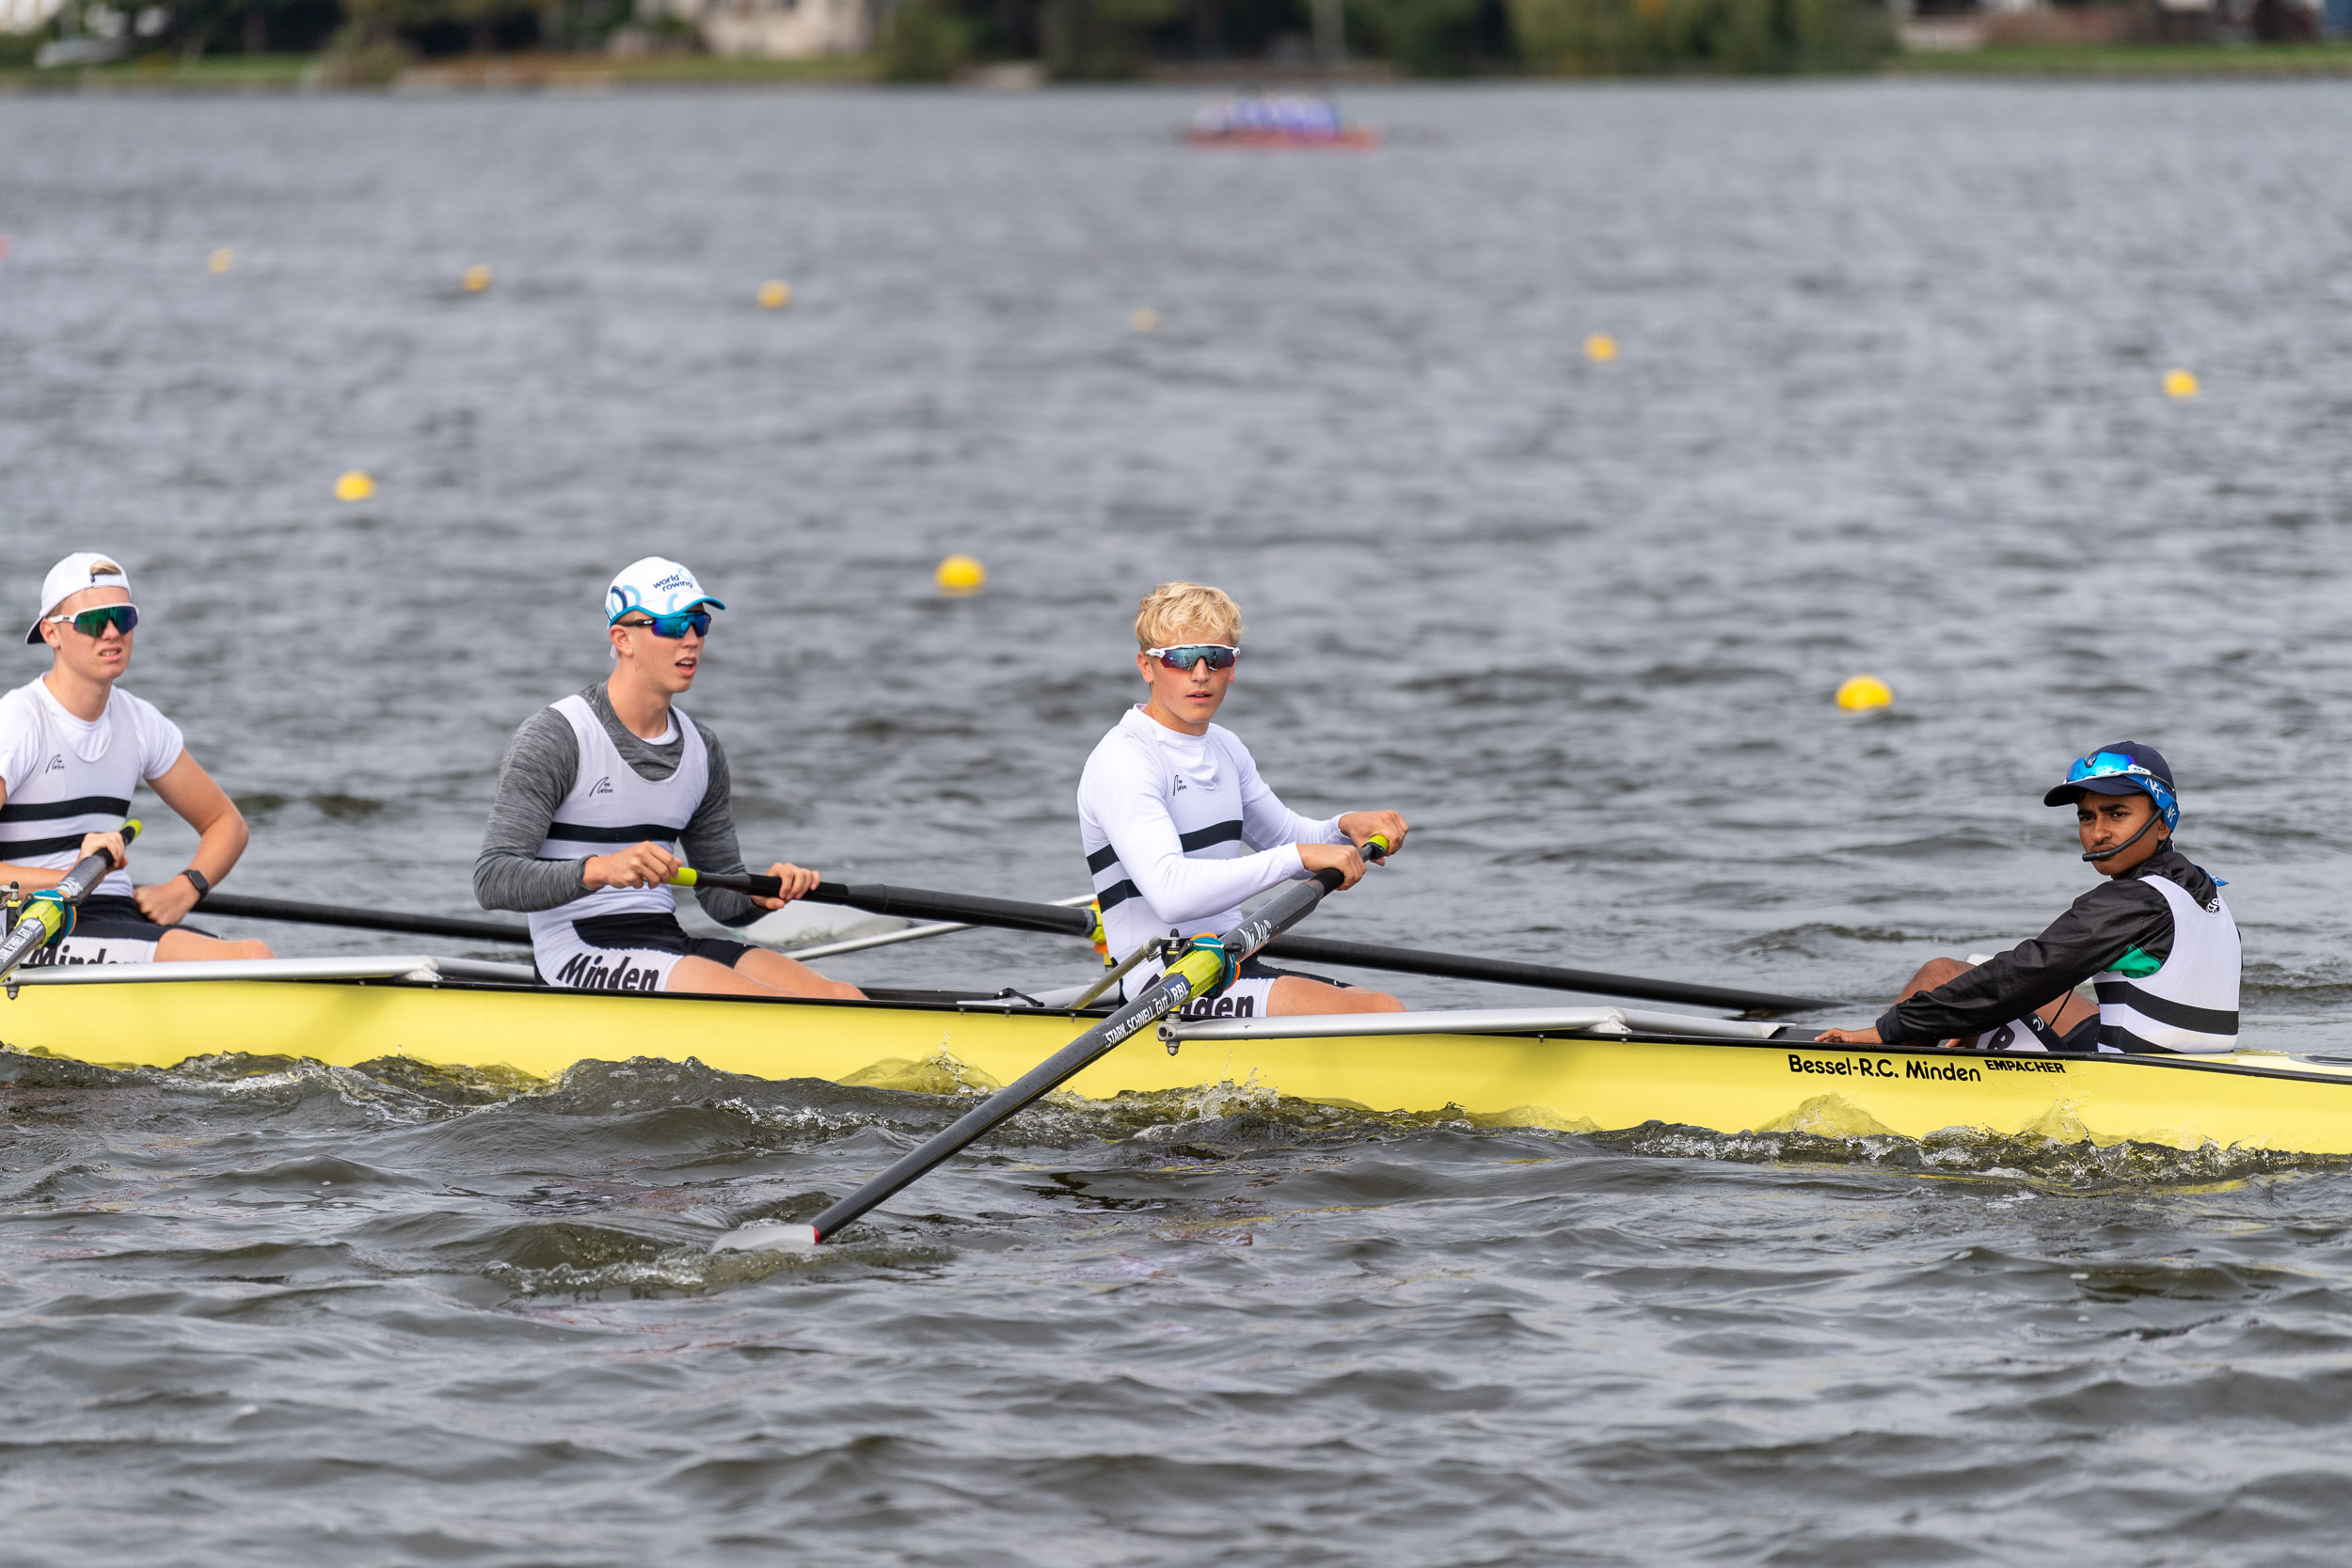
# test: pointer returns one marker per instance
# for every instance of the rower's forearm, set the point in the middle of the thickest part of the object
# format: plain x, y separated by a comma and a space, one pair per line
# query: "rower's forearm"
1181, 889
2007, 986
221, 846
506, 880
30, 879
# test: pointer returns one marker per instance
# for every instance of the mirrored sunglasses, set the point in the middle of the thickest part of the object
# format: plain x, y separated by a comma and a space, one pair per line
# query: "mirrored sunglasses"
93, 623
673, 627
1219, 655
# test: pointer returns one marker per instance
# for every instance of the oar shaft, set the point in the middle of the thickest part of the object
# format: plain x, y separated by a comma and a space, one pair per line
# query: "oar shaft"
1188, 976
1068, 917
506, 932
922, 904
1459, 966
1013, 914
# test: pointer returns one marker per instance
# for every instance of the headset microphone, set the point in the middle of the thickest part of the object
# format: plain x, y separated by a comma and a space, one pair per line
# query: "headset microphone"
2095, 856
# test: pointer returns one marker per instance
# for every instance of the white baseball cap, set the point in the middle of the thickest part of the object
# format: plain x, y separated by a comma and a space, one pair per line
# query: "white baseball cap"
656, 585
80, 570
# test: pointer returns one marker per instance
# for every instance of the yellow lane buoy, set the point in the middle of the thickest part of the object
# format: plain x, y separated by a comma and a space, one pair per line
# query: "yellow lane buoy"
1600, 348
354, 486
775, 294
222, 261
960, 574
1143, 319
1864, 691
2178, 384
477, 278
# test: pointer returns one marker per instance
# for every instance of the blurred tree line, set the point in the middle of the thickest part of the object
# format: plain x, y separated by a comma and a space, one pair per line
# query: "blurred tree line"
1086, 40
1096, 38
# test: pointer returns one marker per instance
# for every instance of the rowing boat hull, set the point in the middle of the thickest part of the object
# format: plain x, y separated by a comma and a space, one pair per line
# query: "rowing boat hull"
1584, 1082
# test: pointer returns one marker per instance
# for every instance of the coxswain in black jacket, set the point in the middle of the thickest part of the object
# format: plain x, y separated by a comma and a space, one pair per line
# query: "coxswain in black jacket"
2123, 935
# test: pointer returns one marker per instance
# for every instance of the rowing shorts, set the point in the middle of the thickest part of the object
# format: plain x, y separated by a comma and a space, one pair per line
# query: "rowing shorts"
1249, 996
2031, 1034
624, 952
109, 929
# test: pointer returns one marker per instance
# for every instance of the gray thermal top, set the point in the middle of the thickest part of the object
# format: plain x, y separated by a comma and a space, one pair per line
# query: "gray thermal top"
542, 762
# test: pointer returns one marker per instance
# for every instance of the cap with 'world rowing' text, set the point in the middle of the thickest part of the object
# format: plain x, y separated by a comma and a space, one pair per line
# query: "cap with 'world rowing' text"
2125, 768
80, 570
656, 585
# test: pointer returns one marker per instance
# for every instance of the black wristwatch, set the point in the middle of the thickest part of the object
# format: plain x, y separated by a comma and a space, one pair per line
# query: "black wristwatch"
197, 879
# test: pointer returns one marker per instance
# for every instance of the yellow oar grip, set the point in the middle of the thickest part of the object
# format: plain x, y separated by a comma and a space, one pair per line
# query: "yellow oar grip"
682, 876
130, 831
47, 913
1201, 969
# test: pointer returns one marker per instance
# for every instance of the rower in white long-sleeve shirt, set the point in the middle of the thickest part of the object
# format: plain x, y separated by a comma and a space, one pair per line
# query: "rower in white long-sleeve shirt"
1178, 828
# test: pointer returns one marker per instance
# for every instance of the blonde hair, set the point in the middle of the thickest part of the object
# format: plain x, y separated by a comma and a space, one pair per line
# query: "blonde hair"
1173, 608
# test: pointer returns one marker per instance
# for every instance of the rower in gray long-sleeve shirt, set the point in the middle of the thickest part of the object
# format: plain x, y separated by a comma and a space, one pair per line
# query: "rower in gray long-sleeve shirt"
604, 795
541, 765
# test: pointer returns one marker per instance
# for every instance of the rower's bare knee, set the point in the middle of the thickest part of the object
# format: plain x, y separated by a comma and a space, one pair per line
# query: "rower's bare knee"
793, 978
1293, 996
1934, 973
700, 976
178, 947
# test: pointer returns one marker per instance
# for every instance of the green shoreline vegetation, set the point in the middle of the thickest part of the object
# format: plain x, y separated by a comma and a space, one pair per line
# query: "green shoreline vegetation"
559, 73
426, 45
2140, 61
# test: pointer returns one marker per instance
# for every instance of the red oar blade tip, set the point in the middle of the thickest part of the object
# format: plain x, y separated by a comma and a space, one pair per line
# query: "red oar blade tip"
766, 1236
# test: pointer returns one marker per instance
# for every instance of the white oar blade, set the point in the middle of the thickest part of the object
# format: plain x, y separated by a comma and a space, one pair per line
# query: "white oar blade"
766, 1236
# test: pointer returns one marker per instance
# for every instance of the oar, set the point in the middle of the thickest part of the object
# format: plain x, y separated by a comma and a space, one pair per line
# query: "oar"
42, 919
514, 933
888, 938
1506, 971
1196, 974
511, 932
1012, 914
923, 904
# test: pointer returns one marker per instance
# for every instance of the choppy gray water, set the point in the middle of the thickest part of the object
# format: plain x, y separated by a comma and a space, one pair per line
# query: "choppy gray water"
1888, 400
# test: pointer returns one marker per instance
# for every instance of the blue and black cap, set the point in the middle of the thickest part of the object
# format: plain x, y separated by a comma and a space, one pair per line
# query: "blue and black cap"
2124, 767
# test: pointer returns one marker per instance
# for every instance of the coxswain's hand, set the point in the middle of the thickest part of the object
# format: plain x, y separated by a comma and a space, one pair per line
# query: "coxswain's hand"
640, 866
1341, 858
797, 880
1360, 826
1849, 1037
166, 903
109, 844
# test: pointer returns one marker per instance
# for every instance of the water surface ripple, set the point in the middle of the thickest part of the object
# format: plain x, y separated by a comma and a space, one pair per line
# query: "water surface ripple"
1889, 399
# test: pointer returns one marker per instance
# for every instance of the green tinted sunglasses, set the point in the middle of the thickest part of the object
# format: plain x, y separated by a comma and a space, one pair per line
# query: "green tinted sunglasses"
93, 623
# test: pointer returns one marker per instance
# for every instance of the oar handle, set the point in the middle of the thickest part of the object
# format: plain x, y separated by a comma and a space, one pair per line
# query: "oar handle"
1196, 974
42, 919
748, 882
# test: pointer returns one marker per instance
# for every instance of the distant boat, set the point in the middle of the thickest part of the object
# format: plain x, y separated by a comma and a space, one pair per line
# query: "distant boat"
1263, 120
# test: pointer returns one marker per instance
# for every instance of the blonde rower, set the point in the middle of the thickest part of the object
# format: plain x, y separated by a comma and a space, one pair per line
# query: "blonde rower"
1177, 826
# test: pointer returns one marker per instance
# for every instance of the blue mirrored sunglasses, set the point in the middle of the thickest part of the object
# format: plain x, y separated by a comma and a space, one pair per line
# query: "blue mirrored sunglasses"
2106, 764
673, 627
2111, 765
1220, 655
92, 623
